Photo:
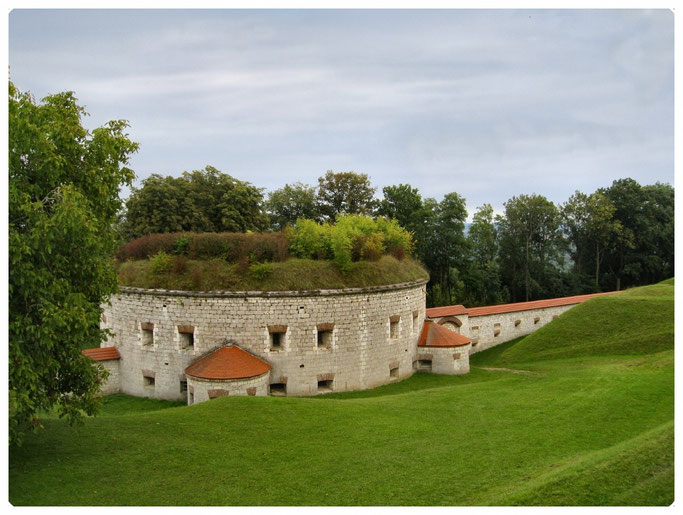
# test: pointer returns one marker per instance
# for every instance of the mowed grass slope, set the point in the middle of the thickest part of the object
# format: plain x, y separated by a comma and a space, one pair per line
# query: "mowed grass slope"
573, 415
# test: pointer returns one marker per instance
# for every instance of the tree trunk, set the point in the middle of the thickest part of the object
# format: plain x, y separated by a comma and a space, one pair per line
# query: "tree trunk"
597, 265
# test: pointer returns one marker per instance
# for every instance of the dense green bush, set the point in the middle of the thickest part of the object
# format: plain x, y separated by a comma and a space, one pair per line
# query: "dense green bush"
231, 247
311, 240
352, 238
160, 263
147, 246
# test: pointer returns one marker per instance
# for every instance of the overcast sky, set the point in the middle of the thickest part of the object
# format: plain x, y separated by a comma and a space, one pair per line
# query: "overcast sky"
486, 103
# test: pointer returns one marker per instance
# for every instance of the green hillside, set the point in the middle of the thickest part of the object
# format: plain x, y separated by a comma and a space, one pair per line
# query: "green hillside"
579, 413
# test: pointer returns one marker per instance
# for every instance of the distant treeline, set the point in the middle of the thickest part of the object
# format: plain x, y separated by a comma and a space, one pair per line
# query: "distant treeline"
612, 238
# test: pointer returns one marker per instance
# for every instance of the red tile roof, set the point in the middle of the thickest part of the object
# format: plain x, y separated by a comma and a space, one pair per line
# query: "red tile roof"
102, 354
445, 311
535, 304
228, 363
435, 335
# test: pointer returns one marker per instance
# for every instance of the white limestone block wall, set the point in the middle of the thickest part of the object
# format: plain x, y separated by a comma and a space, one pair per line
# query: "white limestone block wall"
487, 331
315, 342
446, 360
200, 390
113, 382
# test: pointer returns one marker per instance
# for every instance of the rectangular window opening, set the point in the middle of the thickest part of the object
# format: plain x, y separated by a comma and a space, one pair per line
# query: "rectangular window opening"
393, 372
183, 386
325, 385
147, 337
148, 381
187, 340
393, 327
325, 339
278, 389
276, 341
424, 365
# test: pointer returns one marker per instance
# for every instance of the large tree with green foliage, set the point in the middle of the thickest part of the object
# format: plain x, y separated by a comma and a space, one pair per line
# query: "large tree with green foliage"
345, 193
445, 247
482, 277
530, 247
63, 196
590, 226
291, 202
200, 201
644, 251
403, 203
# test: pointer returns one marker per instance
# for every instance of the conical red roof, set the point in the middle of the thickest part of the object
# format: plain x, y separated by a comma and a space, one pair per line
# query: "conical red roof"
435, 335
228, 363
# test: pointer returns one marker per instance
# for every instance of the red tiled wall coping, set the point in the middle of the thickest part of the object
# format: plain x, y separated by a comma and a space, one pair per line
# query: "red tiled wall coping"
102, 354
510, 308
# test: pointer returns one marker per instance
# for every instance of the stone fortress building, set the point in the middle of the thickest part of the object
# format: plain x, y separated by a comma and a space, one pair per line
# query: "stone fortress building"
196, 346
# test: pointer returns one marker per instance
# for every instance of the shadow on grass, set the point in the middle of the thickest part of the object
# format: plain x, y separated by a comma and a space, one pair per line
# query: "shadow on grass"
490, 356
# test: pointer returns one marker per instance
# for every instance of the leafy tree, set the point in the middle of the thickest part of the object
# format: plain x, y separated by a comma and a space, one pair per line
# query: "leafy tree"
530, 246
643, 253
482, 278
291, 202
159, 206
63, 201
345, 193
591, 227
403, 203
200, 201
483, 236
659, 211
445, 246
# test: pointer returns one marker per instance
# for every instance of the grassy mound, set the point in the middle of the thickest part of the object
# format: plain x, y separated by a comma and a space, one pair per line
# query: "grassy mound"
293, 274
592, 427
634, 322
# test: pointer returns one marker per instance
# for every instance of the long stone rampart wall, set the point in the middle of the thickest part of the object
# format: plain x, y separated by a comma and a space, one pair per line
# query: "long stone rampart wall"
368, 336
487, 331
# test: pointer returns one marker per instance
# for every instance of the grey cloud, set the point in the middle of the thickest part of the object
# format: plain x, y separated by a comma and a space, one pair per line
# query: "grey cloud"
486, 103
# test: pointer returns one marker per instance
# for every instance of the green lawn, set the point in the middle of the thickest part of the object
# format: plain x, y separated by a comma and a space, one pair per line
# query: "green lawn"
590, 422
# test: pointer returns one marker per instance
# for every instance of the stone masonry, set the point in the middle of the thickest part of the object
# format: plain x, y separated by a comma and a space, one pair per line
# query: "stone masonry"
314, 341
350, 336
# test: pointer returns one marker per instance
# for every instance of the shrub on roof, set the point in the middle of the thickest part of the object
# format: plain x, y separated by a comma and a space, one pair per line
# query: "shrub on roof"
232, 247
311, 240
147, 246
352, 238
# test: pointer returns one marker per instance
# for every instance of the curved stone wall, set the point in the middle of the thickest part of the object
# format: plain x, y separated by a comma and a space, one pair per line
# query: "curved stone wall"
315, 342
200, 390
